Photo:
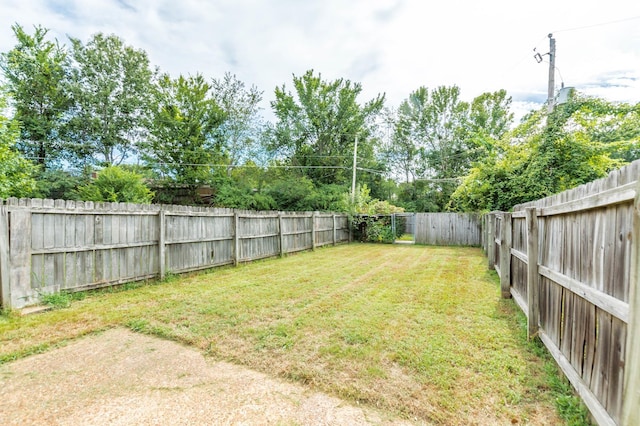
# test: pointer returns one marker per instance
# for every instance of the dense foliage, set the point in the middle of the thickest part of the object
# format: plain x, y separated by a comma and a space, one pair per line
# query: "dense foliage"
436, 138
76, 111
15, 172
36, 71
116, 184
548, 153
110, 87
319, 125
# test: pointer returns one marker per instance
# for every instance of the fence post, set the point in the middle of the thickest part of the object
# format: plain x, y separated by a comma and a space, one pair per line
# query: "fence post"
533, 281
505, 256
335, 237
313, 231
281, 234
5, 284
393, 226
491, 236
236, 239
483, 233
161, 244
350, 228
20, 257
631, 387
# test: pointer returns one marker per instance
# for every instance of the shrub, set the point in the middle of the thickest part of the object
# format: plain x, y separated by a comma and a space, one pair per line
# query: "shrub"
115, 184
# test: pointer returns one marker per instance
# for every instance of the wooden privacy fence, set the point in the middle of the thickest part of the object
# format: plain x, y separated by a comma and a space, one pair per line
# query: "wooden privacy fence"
447, 229
47, 246
572, 264
439, 229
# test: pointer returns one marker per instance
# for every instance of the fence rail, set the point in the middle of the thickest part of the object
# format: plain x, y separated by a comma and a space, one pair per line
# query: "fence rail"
572, 264
47, 246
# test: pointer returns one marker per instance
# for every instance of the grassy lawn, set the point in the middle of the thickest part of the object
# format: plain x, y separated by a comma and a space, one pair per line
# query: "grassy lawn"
419, 331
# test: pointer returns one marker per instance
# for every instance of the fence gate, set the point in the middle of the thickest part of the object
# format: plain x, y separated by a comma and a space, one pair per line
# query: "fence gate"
403, 226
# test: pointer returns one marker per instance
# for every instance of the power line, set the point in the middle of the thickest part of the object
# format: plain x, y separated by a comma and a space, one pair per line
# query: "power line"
521, 60
632, 18
583, 27
455, 179
213, 165
246, 166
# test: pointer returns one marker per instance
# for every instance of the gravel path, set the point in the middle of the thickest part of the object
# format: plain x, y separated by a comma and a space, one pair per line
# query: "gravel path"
123, 378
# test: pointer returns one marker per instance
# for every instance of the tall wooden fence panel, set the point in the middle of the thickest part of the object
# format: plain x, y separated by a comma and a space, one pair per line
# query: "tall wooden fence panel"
47, 246
198, 240
518, 260
573, 269
456, 229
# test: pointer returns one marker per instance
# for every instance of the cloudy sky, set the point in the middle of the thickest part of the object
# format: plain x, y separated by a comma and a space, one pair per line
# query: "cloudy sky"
390, 46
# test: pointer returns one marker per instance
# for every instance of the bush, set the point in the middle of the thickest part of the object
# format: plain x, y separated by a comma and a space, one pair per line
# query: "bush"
373, 229
115, 184
236, 196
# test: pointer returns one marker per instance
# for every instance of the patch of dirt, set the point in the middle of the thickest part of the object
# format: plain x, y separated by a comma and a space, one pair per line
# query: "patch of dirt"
123, 378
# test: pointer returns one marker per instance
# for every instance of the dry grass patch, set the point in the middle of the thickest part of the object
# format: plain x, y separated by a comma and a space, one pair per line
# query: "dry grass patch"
419, 331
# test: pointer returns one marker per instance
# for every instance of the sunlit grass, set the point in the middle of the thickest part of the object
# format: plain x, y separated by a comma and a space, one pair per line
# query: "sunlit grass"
419, 331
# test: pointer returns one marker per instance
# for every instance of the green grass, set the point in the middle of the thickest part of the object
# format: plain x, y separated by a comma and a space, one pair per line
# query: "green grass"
418, 331
61, 300
405, 237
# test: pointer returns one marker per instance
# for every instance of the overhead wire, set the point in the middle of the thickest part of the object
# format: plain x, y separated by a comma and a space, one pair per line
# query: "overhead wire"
600, 24
579, 28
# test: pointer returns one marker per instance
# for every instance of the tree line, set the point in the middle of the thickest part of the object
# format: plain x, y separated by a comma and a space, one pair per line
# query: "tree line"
97, 121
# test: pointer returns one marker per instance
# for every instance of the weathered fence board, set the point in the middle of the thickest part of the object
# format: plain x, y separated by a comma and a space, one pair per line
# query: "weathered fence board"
631, 378
447, 229
48, 246
5, 285
587, 273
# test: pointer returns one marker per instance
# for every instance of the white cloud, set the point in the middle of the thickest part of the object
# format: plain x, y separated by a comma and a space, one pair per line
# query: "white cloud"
391, 46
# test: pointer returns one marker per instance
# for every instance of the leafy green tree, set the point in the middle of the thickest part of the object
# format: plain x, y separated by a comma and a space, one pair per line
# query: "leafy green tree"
429, 142
442, 130
240, 133
111, 89
403, 155
238, 195
436, 138
490, 118
490, 115
317, 126
15, 172
544, 155
59, 184
182, 145
615, 124
293, 194
364, 203
116, 184
35, 71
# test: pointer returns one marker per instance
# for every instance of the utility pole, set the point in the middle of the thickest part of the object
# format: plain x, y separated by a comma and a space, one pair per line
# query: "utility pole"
552, 72
353, 179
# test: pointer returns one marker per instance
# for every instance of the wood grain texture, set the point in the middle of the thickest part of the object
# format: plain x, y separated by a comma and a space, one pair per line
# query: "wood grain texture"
533, 283
58, 245
5, 266
631, 385
455, 229
505, 256
588, 281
